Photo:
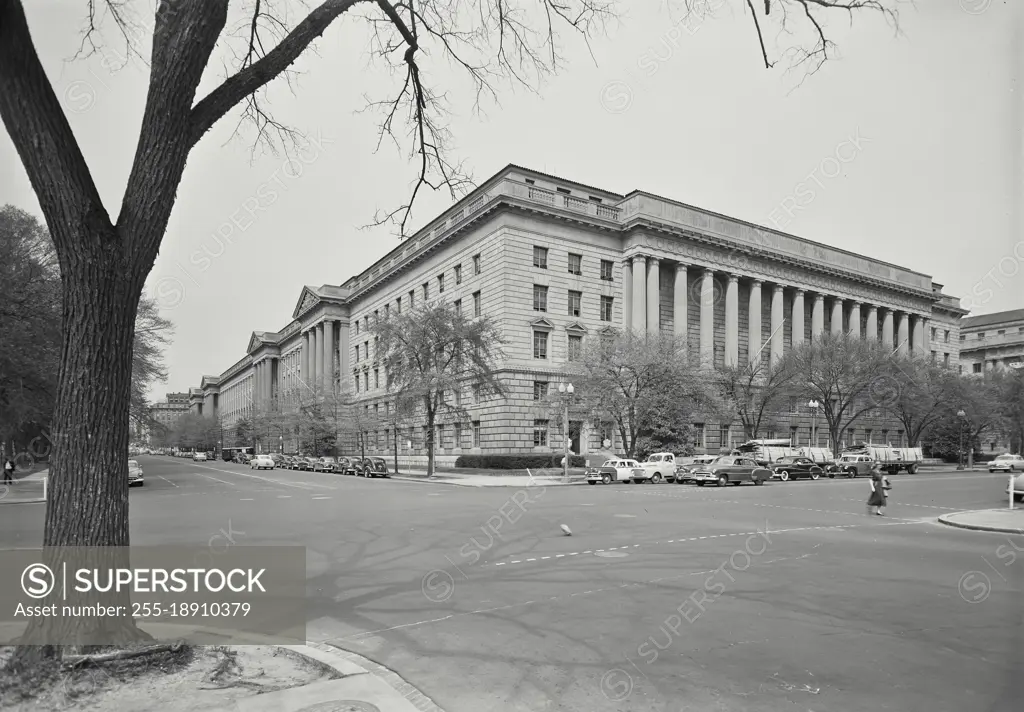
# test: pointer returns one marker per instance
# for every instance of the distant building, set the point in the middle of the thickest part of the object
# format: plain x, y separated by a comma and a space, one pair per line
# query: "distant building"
992, 341
555, 263
167, 413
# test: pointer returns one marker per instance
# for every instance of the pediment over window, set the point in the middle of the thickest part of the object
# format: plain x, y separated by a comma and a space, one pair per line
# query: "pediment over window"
576, 328
542, 324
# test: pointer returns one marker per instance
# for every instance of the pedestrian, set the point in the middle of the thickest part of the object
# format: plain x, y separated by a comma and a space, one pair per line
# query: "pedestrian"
879, 486
8, 471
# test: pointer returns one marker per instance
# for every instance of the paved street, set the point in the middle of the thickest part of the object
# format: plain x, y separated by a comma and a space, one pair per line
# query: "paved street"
666, 597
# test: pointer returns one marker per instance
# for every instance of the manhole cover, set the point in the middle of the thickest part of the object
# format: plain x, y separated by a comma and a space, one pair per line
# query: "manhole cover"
610, 554
341, 706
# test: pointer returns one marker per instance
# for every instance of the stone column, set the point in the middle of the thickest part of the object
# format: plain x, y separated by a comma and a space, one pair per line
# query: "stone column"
314, 356
329, 352
799, 322
732, 321
837, 316
754, 338
640, 294
653, 295
680, 306
818, 316
777, 330
627, 294
707, 320
343, 354
871, 326
257, 384
304, 362
919, 339
855, 320
887, 329
903, 341
274, 371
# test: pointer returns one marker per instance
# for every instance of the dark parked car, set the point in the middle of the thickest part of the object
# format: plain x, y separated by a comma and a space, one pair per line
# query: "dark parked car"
346, 466
731, 469
373, 467
326, 464
795, 468
311, 463
278, 459
299, 463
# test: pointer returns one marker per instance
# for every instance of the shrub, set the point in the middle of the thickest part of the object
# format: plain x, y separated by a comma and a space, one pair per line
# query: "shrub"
517, 462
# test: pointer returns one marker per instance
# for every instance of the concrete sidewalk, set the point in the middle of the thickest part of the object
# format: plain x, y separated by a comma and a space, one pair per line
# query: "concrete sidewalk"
364, 686
24, 490
1006, 521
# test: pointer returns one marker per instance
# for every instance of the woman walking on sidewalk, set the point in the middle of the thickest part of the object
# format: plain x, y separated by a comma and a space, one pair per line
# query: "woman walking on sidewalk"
8, 471
879, 485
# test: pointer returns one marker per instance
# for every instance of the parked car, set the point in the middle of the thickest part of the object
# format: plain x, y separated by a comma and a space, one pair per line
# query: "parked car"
261, 462
199, 457
243, 458
299, 463
658, 467
346, 466
685, 467
1018, 488
731, 469
851, 465
135, 474
325, 464
1006, 463
613, 471
311, 463
277, 457
373, 467
795, 468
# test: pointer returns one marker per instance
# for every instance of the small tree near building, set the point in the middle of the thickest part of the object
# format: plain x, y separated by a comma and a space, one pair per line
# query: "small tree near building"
433, 350
752, 394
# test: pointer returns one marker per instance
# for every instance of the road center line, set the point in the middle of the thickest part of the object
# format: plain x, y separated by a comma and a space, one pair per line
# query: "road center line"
298, 485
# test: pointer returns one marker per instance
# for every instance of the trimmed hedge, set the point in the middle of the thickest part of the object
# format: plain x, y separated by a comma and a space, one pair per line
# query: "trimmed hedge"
517, 462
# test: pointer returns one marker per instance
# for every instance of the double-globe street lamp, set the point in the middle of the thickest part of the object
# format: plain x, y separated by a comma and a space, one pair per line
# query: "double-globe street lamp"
963, 420
565, 391
814, 405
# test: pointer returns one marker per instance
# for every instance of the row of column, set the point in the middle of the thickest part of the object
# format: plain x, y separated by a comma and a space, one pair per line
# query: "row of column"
642, 313
316, 362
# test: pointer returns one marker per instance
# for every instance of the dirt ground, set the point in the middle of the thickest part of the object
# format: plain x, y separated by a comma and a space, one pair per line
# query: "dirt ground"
202, 678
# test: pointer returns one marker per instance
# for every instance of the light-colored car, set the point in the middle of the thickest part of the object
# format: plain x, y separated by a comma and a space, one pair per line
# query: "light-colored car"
657, 468
731, 469
1018, 488
1007, 463
614, 471
261, 462
135, 474
199, 457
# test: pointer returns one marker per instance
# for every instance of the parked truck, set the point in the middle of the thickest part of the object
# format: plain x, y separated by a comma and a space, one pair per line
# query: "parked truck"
859, 460
766, 452
818, 455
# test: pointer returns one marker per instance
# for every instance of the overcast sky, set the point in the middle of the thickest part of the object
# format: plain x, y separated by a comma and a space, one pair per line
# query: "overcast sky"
688, 113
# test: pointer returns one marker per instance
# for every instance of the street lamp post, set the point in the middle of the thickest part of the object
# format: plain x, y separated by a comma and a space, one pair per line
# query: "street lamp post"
814, 405
960, 453
566, 393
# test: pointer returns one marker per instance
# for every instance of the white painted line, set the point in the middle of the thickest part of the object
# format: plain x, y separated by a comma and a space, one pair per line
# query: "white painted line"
247, 499
223, 482
298, 485
284, 496
502, 563
167, 480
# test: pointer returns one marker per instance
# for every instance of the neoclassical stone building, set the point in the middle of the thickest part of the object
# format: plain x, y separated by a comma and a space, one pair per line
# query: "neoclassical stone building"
556, 262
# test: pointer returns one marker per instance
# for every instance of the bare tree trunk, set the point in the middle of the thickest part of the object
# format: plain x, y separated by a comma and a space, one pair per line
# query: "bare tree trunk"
430, 442
396, 449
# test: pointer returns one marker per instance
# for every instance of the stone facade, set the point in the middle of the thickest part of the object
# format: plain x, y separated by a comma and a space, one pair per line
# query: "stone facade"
992, 341
556, 262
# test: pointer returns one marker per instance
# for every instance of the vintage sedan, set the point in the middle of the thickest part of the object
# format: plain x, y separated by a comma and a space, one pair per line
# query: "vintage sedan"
1007, 463
685, 467
135, 474
731, 469
199, 457
325, 464
261, 462
372, 467
614, 471
299, 463
795, 467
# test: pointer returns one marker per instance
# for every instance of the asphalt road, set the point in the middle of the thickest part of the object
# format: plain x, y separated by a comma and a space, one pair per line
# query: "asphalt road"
787, 597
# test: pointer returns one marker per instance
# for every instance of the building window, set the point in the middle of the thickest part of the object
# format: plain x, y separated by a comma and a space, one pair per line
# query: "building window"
458, 435
946, 336
575, 264
976, 368
376, 379
945, 360
794, 436
426, 291
355, 376
458, 274
960, 368
540, 257
606, 308
476, 433
440, 284
540, 298
357, 327
963, 337
885, 436
867, 435
699, 431
540, 433
476, 264
387, 310
934, 356
540, 344
723, 436
606, 270
899, 438
357, 353
934, 332
376, 410
981, 334
575, 303
376, 316
366, 323
398, 305
458, 307
476, 304
540, 390
1000, 332
575, 347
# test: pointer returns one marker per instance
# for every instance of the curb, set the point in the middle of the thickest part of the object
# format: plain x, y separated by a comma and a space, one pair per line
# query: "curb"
23, 501
325, 653
944, 519
426, 481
